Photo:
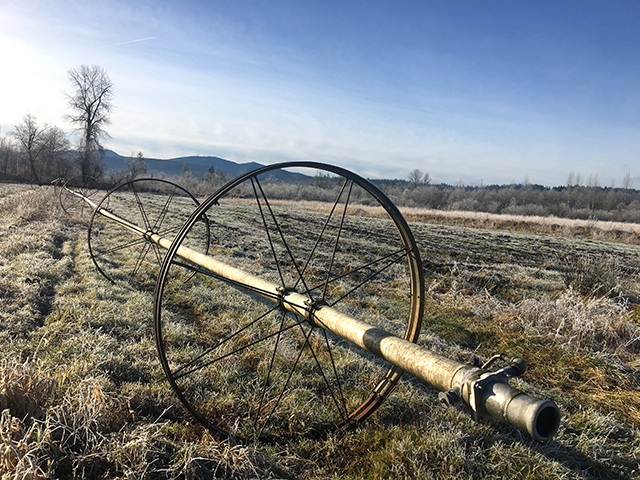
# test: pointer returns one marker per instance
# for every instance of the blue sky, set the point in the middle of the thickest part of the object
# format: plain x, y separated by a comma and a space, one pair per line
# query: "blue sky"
469, 91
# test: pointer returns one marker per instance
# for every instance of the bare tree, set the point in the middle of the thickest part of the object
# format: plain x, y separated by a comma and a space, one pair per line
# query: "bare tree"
90, 109
415, 177
570, 180
55, 151
137, 166
627, 182
8, 156
30, 146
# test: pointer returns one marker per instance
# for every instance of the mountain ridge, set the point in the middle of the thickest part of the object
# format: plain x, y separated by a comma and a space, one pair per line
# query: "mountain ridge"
197, 165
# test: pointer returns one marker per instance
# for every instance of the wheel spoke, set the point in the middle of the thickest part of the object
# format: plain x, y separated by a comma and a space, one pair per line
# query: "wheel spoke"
324, 227
145, 219
335, 373
362, 267
156, 250
266, 229
284, 241
141, 257
266, 381
233, 352
370, 277
133, 243
335, 246
169, 231
286, 383
160, 220
222, 342
326, 381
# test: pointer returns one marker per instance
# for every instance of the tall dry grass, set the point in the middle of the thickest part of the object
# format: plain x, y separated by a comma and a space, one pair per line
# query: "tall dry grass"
549, 221
593, 324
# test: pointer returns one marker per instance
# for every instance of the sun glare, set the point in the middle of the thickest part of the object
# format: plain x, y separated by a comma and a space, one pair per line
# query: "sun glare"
26, 87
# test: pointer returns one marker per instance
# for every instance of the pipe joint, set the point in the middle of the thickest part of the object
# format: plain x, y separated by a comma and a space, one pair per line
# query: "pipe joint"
492, 397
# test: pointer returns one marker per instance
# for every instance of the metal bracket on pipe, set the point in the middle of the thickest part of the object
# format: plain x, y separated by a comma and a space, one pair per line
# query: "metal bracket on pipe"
475, 391
476, 381
489, 395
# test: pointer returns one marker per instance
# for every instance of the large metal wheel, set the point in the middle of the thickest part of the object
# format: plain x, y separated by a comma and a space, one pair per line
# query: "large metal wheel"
161, 207
244, 366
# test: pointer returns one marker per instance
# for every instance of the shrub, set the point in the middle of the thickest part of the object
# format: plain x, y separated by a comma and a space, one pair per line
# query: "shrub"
594, 277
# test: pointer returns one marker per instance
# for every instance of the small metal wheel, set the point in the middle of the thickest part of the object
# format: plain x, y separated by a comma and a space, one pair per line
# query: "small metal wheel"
127, 256
243, 365
89, 187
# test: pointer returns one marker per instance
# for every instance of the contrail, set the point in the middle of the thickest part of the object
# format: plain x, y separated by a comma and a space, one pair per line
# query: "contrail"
125, 43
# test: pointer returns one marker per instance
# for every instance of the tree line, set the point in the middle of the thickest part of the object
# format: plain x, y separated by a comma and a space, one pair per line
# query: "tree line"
572, 200
41, 153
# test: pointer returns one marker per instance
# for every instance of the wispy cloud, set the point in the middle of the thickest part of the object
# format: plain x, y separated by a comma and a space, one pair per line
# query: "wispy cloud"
124, 43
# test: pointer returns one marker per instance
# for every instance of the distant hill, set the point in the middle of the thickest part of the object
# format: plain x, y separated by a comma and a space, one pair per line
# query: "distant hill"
197, 165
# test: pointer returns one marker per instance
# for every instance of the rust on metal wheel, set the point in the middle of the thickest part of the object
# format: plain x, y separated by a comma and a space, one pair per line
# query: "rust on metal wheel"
242, 363
158, 207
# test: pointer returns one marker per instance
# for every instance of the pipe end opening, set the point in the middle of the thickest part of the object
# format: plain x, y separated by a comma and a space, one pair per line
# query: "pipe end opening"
547, 421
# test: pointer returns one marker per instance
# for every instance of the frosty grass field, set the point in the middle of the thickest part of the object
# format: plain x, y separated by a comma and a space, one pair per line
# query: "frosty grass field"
83, 394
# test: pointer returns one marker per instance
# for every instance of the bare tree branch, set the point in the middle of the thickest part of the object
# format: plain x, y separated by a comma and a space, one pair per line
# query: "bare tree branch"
90, 110
30, 146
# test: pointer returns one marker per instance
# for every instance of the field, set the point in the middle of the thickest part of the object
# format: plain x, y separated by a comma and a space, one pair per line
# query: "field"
83, 394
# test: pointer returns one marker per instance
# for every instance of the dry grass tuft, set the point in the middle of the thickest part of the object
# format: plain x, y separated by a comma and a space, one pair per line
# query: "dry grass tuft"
550, 224
142, 451
26, 389
18, 455
590, 276
30, 204
596, 324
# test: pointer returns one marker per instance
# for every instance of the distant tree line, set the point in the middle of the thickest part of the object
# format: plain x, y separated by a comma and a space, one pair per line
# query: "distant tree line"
573, 200
568, 201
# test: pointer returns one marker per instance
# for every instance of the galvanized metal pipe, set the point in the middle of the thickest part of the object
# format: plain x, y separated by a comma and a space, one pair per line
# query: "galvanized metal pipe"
487, 393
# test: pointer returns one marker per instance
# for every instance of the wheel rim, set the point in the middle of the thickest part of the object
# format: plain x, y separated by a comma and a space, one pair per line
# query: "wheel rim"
157, 206
247, 369
89, 187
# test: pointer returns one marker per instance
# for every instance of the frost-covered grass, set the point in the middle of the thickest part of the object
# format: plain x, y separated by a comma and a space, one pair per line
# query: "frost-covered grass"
83, 395
626, 231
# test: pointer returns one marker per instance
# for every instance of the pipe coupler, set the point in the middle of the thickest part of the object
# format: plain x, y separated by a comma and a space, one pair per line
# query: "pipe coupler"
499, 400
